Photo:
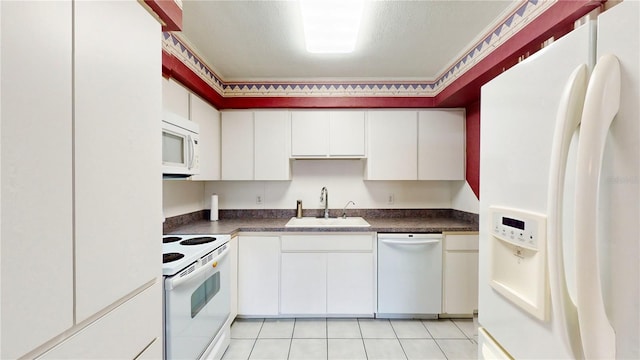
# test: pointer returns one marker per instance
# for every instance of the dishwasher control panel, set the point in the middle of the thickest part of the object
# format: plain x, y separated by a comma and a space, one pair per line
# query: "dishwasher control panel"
516, 227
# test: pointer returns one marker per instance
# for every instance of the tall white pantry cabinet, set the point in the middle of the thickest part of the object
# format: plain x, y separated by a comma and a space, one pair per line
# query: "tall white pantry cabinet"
80, 180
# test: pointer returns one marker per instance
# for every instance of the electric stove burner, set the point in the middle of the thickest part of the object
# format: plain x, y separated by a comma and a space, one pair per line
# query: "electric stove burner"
198, 240
170, 239
169, 257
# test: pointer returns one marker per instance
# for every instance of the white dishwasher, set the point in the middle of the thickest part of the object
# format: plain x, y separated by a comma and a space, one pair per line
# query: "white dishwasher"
409, 275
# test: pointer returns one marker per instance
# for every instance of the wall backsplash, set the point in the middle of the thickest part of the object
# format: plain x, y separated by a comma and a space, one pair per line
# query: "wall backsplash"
343, 178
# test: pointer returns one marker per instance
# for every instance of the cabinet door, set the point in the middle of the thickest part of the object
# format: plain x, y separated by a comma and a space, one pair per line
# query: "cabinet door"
118, 192
272, 147
303, 284
309, 133
237, 145
393, 145
460, 274
258, 275
461, 283
208, 119
175, 98
37, 193
441, 144
350, 278
347, 133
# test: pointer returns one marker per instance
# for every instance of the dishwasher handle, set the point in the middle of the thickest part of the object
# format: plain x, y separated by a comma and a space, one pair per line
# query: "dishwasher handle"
410, 242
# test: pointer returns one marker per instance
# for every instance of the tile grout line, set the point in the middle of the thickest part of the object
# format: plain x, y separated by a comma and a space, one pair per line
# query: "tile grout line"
293, 330
398, 339
362, 339
255, 341
435, 341
326, 334
462, 331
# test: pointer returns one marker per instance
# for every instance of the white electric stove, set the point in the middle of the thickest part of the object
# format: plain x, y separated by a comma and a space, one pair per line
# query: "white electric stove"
197, 299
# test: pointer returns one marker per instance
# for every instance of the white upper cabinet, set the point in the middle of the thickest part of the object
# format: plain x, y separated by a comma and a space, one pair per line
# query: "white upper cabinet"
175, 98
393, 145
271, 152
309, 131
441, 144
208, 119
321, 134
347, 133
255, 145
237, 145
416, 145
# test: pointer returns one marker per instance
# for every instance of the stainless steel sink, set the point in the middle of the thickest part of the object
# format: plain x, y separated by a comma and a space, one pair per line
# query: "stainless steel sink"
330, 222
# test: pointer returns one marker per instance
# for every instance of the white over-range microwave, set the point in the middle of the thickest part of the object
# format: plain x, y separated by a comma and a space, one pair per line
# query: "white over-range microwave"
180, 138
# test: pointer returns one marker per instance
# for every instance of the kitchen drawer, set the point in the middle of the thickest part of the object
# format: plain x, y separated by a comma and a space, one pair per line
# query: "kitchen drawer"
342, 242
464, 242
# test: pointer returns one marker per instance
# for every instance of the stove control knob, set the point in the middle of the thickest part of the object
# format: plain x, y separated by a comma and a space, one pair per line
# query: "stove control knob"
215, 263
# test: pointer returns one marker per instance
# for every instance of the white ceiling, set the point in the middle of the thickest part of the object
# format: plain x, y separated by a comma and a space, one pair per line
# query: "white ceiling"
399, 40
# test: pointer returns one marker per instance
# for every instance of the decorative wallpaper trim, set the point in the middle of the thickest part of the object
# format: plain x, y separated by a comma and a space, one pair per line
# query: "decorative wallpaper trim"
514, 22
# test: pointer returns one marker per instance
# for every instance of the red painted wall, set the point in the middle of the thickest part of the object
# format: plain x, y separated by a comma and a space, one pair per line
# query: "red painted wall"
473, 147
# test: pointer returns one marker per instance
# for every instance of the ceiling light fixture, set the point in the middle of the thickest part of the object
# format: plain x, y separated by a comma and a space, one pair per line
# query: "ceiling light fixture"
331, 26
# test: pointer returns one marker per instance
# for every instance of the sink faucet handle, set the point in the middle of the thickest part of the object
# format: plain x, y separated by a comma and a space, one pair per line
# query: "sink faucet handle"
344, 209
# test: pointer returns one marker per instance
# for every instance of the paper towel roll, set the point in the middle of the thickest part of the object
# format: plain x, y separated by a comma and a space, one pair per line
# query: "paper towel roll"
214, 208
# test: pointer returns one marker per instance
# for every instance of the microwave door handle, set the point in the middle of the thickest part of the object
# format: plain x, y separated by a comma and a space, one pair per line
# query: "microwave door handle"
177, 281
191, 152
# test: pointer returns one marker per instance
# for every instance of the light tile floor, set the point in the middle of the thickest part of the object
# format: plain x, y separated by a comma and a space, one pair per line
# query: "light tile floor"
352, 339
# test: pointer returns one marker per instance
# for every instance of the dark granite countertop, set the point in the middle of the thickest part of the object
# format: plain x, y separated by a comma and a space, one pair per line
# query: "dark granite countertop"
394, 221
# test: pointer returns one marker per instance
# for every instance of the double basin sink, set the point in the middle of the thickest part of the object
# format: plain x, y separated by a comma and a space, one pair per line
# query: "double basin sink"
314, 222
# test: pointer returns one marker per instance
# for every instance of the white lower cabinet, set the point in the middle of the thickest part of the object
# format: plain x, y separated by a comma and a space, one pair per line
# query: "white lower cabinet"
350, 282
258, 275
303, 283
327, 275
460, 275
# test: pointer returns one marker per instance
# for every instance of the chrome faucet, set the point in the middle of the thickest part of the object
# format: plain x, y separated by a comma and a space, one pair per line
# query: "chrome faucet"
324, 196
344, 209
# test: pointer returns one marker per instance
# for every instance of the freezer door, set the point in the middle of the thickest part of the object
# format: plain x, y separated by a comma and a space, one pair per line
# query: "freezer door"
518, 112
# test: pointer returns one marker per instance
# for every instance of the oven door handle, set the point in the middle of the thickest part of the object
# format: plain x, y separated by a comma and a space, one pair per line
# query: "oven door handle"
176, 280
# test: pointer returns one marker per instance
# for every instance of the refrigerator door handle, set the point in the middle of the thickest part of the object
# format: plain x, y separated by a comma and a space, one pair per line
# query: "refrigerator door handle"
567, 122
602, 103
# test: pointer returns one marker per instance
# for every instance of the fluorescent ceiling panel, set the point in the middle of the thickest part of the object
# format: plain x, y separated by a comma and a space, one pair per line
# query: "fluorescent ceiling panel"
331, 26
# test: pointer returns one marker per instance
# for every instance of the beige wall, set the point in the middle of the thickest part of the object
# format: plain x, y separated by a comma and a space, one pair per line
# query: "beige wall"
343, 178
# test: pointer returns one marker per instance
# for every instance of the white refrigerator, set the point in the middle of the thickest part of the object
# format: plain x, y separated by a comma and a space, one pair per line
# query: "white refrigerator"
559, 198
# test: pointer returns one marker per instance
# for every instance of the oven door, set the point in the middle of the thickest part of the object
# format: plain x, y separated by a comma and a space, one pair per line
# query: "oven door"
196, 306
